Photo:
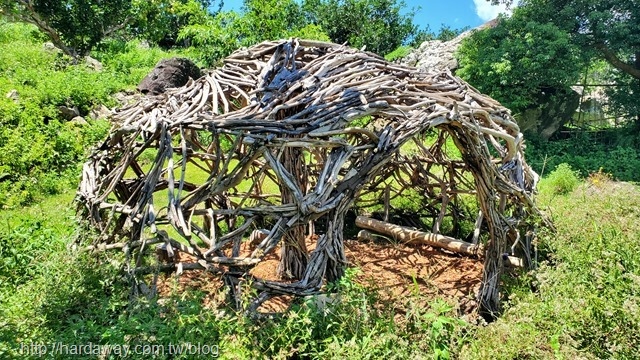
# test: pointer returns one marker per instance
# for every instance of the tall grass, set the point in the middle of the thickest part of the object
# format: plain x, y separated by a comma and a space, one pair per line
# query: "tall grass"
584, 301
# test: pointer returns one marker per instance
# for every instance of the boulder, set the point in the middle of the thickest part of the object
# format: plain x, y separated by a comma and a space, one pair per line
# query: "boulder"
67, 112
169, 73
93, 63
99, 112
13, 95
126, 98
437, 55
49, 47
79, 121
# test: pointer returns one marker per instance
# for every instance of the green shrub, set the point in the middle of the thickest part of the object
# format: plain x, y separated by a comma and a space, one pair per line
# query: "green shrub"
562, 180
616, 153
398, 53
40, 152
584, 300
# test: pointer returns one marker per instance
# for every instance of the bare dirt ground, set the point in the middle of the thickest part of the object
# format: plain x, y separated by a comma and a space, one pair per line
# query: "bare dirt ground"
394, 271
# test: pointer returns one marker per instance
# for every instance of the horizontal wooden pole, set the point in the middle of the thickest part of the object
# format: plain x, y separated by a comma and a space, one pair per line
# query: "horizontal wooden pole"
412, 236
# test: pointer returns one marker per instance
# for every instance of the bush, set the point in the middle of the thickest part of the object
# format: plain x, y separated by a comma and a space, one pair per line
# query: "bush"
615, 152
40, 152
398, 53
562, 180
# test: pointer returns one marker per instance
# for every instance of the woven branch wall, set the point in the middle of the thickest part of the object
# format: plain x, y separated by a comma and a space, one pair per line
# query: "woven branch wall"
244, 160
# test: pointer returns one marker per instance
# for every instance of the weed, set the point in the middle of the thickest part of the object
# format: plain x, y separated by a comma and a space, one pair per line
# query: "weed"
561, 181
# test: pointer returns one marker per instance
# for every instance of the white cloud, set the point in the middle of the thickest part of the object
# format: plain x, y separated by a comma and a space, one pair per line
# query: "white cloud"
487, 12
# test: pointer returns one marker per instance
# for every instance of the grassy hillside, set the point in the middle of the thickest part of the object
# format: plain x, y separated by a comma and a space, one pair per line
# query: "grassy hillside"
39, 149
584, 301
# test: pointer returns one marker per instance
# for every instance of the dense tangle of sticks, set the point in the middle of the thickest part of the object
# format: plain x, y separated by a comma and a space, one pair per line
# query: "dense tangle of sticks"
288, 134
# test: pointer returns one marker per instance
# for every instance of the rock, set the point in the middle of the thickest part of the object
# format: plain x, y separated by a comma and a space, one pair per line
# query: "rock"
322, 302
68, 113
13, 95
169, 73
48, 46
127, 98
93, 63
437, 55
79, 120
144, 45
100, 112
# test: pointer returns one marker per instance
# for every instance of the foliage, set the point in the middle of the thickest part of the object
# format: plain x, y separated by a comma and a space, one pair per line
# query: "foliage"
398, 53
376, 24
518, 59
160, 21
77, 298
219, 35
623, 97
583, 301
39, 150
75, 26
562, 180
615, 152
601, 29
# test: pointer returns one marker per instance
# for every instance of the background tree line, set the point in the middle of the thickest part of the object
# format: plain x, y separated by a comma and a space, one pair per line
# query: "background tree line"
553, 44
78, 26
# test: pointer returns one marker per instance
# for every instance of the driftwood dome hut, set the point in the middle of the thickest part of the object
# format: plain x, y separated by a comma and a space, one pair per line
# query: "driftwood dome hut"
244, 161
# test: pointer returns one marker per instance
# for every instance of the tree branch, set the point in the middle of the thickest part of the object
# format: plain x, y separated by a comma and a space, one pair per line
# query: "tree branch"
32, 17
615, 61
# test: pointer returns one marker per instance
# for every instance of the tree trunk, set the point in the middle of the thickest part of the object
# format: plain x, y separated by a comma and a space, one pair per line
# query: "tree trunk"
32, 17
637, 65
293, 254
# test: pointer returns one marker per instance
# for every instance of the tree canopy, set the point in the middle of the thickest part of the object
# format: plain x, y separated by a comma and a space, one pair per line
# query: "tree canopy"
376, 24
518, 59
77, 26
74, 26
552, 44
608, 28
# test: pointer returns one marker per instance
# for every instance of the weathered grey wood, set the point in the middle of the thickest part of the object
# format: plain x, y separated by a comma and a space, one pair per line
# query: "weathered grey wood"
412, 236
291, 133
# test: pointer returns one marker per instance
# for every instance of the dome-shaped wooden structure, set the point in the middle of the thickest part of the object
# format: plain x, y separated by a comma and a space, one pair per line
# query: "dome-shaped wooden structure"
287, 134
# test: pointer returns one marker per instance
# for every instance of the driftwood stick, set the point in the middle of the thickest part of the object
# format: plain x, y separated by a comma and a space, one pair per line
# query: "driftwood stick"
411, 236
414, 237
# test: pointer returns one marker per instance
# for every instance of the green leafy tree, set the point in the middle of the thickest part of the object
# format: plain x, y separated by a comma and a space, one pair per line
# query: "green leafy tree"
376, 24
518, 59
74, 26
219, 35
602, 29
610, 28
160, 21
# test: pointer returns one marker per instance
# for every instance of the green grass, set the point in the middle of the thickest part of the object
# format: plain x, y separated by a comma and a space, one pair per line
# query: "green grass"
37, 145
583, 301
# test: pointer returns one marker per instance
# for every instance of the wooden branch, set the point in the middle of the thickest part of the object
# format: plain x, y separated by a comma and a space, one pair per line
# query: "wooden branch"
411, 236
615, 61
414, 237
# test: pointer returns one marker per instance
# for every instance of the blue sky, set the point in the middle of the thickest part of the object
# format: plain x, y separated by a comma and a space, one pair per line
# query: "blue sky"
434, 13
